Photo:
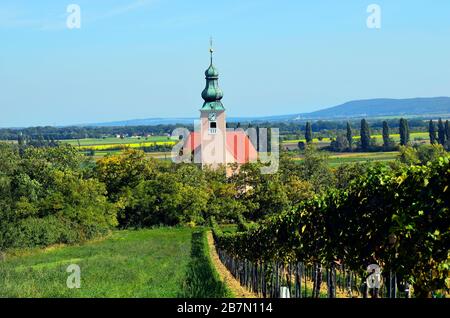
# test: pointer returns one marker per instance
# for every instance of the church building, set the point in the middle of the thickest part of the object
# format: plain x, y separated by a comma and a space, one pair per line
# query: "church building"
211, 143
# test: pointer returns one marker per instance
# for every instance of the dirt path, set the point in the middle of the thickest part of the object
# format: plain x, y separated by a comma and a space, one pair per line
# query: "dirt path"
232, 283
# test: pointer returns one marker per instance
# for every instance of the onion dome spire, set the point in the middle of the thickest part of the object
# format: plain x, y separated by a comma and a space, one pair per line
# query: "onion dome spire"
212, 94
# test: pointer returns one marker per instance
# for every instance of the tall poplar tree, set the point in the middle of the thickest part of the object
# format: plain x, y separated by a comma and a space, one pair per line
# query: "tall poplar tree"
432, 132
365, 135
404, 132
386, 138
257, 138
441, 132
308, 132
349, 136
447, 131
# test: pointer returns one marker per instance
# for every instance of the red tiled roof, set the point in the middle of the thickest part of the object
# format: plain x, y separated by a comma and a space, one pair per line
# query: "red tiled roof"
237, 142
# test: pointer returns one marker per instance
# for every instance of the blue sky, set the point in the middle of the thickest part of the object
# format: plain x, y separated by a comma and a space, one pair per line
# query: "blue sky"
146, 58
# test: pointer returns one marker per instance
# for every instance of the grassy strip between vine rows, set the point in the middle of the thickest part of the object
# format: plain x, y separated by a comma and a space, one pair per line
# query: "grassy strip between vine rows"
202, 279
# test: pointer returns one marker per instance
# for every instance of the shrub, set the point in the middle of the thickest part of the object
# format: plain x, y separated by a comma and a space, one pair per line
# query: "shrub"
47, 198
38, 232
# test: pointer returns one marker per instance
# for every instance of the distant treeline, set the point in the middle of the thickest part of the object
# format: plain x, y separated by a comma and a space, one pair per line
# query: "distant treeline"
75, 132
332, 129
326, 128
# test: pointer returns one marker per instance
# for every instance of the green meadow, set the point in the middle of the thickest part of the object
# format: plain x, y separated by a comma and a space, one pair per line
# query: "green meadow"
141, 263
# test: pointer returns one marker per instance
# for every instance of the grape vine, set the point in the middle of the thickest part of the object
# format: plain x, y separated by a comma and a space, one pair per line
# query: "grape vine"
398, 219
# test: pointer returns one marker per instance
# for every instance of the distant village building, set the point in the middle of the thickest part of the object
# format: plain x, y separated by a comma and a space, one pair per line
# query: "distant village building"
213, 144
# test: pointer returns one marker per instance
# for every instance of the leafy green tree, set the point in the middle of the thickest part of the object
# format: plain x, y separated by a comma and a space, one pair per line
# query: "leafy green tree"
339, 144
288, 166
46, 198
81, 201
222, 200
365, 135
432, 132
315, 169
308, 133
408, 155
421, 154
9, 159
189, 174
345, 173
223, 204
123, 171
64, 157
9, 168
429, 153
269, 197
298, 190
153, 202
163, 200
262, 194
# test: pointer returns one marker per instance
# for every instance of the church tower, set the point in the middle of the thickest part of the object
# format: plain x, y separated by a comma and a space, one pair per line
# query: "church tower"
211, 143
212, 120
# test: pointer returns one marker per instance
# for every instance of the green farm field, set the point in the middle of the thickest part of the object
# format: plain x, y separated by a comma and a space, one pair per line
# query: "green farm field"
157, 155
115, 141
114, 144
335, 159
145, 263
338, 159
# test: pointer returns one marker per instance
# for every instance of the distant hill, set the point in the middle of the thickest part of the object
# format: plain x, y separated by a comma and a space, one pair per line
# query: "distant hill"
381, 107
386, 107
144, 122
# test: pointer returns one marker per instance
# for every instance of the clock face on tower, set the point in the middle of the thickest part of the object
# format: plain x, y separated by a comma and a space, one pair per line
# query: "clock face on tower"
212, 116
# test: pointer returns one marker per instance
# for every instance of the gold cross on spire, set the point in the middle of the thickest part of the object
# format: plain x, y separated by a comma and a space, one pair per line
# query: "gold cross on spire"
211, 50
